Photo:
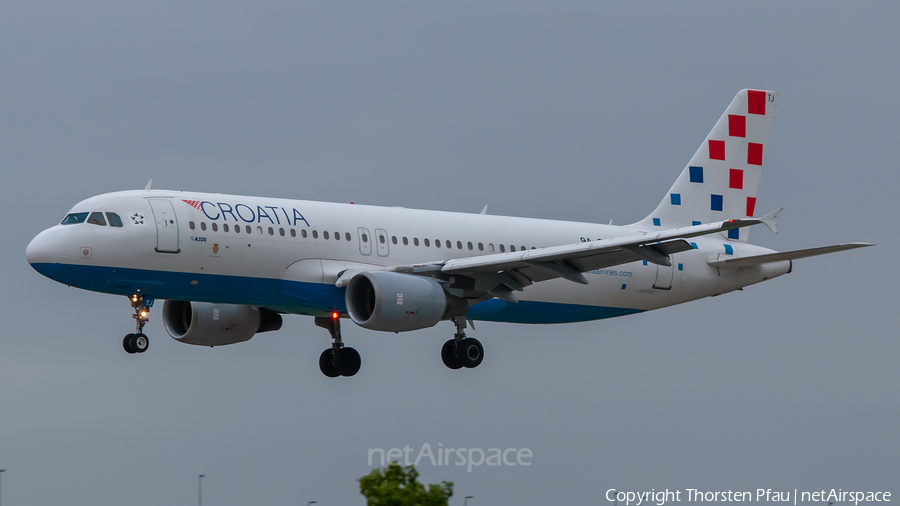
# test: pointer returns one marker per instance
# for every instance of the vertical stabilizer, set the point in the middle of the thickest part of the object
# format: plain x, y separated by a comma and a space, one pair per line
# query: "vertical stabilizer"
722, 179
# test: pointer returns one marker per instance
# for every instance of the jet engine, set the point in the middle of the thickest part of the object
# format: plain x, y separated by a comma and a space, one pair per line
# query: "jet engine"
206, 324
396, 302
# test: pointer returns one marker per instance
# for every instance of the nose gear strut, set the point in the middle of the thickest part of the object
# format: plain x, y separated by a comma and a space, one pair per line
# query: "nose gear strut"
138, 342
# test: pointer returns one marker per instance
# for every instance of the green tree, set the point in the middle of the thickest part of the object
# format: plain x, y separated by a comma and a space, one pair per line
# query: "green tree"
396, 485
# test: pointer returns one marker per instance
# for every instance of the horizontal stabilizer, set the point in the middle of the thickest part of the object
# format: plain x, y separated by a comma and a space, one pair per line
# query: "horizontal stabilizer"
738, 263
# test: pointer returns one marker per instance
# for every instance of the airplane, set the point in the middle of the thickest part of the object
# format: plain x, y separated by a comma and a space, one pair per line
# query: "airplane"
228, 266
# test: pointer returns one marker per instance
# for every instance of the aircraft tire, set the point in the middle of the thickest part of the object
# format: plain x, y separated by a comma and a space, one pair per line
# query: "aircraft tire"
448, 355
348, 361
126, 343
141, 343
470, 352
326, 364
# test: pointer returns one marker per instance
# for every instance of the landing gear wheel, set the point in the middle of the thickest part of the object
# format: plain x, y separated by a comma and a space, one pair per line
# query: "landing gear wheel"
448, 355
141, 343
126, 343
470, 352
326, 364
347, 362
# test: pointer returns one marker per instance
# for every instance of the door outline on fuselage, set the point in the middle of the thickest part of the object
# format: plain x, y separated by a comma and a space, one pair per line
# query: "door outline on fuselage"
381, 242
664, 275
365, 238
166, 226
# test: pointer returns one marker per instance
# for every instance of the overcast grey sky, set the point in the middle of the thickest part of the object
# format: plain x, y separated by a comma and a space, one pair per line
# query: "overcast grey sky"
579, 111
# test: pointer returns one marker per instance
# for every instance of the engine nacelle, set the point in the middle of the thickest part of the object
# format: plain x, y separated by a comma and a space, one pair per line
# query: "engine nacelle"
396, 302
206, 324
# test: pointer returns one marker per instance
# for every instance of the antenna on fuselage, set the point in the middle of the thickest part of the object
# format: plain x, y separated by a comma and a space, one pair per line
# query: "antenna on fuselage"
149, 184
484, 211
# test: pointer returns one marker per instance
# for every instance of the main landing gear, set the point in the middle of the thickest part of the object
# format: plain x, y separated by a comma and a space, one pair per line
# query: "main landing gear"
138, 342
337, 360
462, 351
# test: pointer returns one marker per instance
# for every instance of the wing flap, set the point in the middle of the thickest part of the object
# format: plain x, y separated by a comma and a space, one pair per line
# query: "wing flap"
626, 248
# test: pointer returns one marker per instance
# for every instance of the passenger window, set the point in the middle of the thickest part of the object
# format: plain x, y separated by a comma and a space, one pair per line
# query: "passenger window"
281, 232
237, 229
502, 249
114, 220
215, 227
521, 248
405, 241
202, 225
293, 233
272, 232
303, 233
337, 236
315, 234
74, 219
225, 227
512, 248
191, 225
450, 245
381, 239
248, 229
325, 235
97, 219
365, 238
347, 236
259, 230
459, 245
480, 247
469, 245
491, 247
427, 242
394, 239
416, 241
437, 243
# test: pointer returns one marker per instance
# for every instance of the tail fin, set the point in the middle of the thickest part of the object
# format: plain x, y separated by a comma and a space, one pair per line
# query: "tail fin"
722, 179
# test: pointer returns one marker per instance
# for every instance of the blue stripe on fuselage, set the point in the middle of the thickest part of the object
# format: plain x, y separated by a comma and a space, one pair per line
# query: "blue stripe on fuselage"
289, 296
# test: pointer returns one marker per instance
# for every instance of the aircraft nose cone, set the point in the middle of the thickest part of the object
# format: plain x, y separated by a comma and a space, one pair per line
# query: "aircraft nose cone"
45, 248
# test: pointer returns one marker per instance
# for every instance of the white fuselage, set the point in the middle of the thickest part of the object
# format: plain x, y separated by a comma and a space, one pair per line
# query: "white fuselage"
287, 254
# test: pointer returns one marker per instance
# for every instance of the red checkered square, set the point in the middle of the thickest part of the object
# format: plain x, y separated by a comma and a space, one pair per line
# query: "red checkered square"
751, 205
756, 102
754, 153
736, 179
737, 125
716, 150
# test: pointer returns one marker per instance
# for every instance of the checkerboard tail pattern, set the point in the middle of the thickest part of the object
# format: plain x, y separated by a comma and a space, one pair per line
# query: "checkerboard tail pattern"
721, 180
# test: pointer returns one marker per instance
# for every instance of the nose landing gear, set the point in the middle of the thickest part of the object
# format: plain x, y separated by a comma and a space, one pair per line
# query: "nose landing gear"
337, 360
462, 351
139, 342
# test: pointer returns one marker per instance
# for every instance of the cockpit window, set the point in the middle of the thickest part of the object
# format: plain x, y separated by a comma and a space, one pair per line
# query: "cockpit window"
97, 219
114, 220
74, 218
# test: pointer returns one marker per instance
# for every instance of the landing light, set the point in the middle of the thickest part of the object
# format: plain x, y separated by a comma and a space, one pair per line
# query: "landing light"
143, 313
335, 315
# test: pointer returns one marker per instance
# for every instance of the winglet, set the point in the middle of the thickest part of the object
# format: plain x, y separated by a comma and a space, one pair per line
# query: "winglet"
769, 220
484, 211
149, 184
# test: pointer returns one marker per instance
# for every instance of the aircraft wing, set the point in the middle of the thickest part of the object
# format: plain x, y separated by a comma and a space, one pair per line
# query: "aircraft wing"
737, 263
502, 273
